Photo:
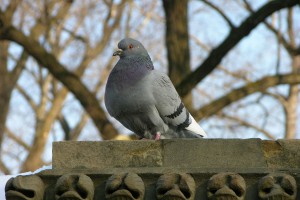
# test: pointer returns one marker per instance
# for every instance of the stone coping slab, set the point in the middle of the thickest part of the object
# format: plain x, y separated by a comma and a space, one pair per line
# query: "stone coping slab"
198, 155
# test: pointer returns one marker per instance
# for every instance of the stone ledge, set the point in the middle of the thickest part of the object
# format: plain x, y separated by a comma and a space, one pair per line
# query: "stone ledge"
179, 169
192, 154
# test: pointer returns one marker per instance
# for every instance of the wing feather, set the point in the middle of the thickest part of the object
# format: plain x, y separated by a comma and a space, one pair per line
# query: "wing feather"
170, 106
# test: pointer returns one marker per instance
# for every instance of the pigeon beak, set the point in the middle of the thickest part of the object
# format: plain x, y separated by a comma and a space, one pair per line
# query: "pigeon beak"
118, 52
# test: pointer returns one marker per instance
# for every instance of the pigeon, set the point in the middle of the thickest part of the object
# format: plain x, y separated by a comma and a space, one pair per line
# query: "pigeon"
144, 100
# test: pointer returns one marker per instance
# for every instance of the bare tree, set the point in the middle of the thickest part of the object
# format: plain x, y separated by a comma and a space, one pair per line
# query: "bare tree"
45, 115
215, 56
235, 35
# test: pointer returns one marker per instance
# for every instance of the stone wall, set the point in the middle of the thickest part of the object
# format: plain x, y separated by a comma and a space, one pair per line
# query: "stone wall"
184, 169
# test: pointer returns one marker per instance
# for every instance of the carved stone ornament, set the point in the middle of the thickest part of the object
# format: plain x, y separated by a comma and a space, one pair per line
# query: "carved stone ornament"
175, 187
226, 186
127, 186
277, 186
75, 187
25, 188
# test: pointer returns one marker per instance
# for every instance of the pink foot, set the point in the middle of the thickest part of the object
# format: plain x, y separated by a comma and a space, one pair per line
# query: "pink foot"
157, 136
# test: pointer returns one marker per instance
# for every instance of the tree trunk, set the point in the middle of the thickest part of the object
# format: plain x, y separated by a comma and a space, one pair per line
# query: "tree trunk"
291, 112
4, 96
8, 81
177, 39
34, 158
292, 104
177, 42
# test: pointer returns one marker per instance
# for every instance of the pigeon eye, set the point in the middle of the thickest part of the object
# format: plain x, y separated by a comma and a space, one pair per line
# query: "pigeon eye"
130, 46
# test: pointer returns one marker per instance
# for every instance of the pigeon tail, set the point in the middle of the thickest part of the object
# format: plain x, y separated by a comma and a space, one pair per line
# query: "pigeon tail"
195, 128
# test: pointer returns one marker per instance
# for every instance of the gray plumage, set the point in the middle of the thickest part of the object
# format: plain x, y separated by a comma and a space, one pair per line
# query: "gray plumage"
144, 100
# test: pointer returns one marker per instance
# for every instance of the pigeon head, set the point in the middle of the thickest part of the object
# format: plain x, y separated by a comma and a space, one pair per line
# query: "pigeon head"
130, 47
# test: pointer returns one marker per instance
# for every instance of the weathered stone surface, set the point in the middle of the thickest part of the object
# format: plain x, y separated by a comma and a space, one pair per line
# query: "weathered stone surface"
197, 155
282, 153
106, 154
213, 153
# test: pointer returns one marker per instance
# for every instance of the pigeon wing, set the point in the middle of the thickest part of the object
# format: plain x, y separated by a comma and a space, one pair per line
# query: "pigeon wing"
169, 105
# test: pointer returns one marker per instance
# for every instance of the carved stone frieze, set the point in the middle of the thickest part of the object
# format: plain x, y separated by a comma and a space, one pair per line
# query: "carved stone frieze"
75, 187
226, 186
25, 188
277, 186
175, 186
126, 186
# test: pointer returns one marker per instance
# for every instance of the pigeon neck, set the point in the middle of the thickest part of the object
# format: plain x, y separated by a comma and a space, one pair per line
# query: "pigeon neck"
136, 62
130, 70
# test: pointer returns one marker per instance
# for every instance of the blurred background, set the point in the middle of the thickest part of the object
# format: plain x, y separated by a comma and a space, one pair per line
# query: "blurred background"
235, 64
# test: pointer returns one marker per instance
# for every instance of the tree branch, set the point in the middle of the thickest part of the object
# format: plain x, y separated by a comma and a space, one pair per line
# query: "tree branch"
291, 30
18, 140
287, 45
79, 127
11, 8
236, 35
237, 94
27, 97
218, 10
19, 66
65, 126
71, 81
4, 168
248, 124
